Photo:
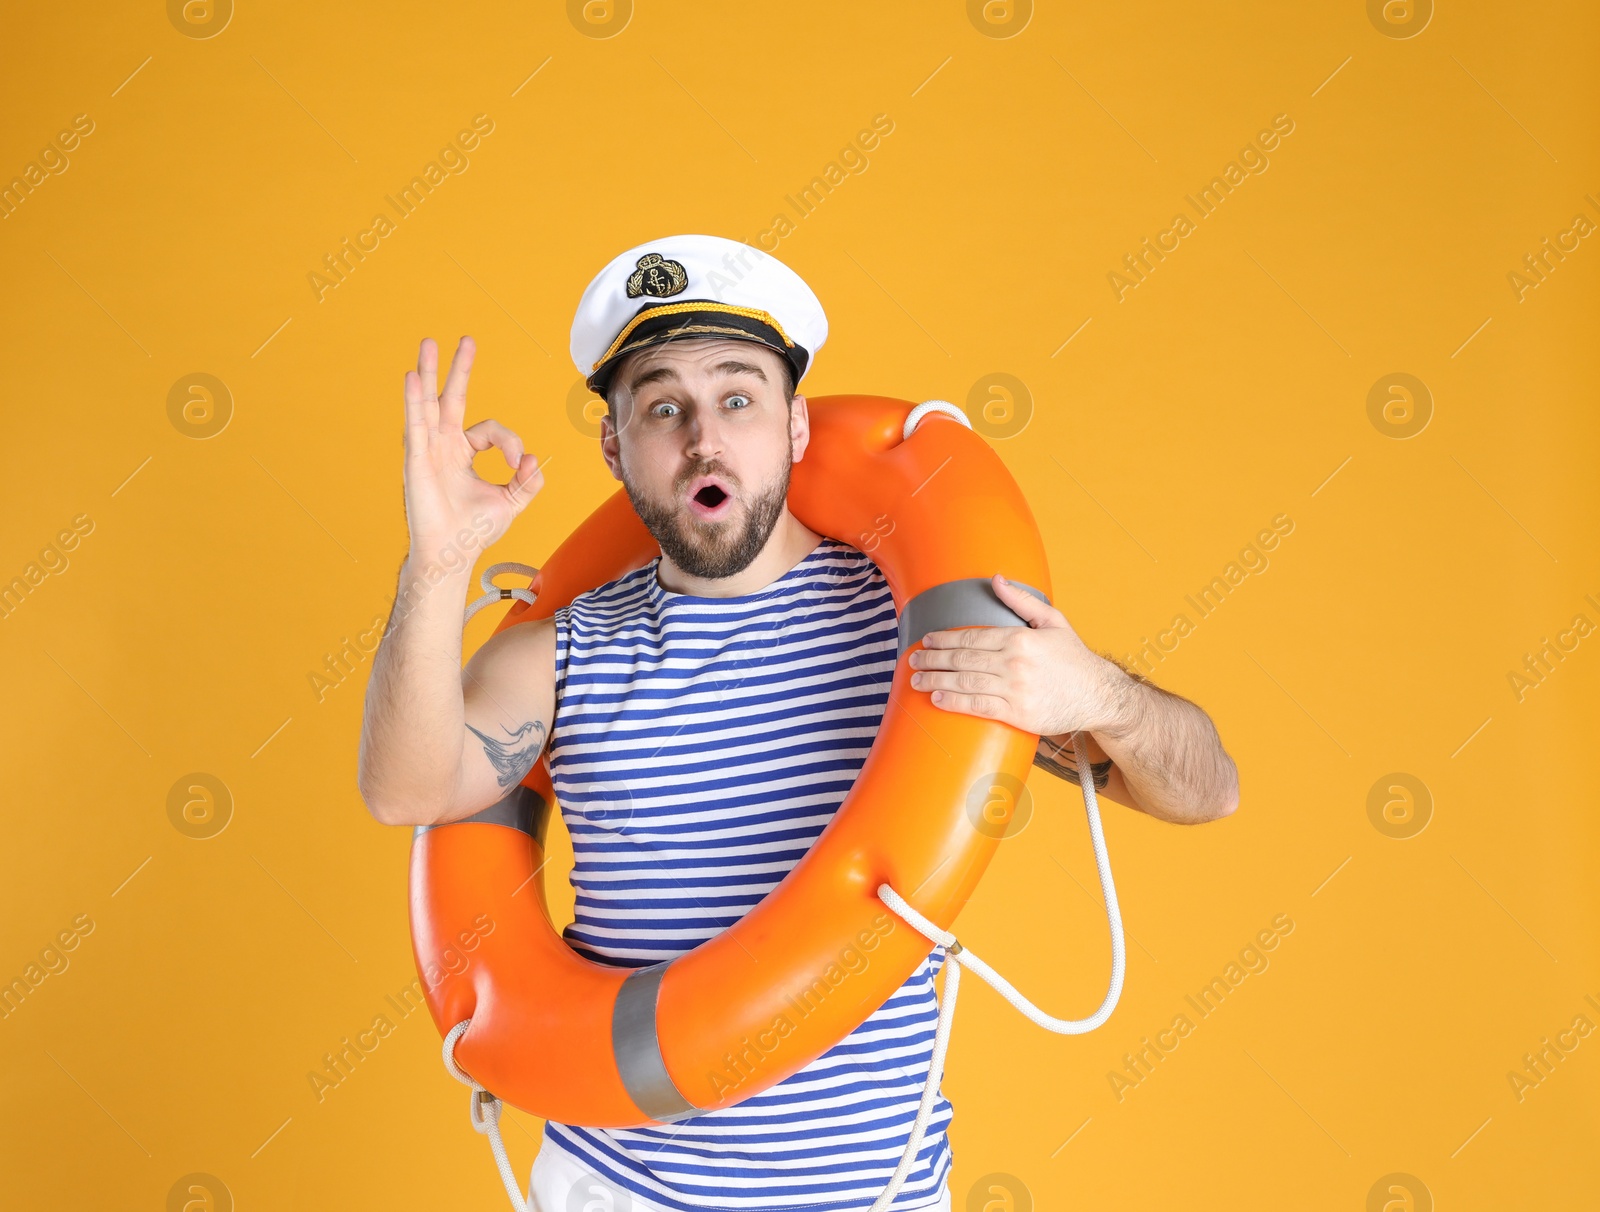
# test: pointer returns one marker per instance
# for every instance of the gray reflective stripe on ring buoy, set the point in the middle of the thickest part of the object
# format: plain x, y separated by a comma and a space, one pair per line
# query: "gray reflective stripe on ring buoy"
968, 602
523, 809
637, 1048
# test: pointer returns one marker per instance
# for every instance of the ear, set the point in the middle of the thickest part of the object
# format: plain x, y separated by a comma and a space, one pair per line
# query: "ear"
799, 428
611, 446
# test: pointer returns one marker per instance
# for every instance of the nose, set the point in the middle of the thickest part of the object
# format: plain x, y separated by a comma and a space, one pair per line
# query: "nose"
705, 434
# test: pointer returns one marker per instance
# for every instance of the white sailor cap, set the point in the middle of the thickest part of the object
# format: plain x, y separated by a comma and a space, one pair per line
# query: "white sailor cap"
683, 287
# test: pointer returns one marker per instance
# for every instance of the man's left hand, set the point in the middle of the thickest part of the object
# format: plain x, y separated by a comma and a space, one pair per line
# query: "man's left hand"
1040, 678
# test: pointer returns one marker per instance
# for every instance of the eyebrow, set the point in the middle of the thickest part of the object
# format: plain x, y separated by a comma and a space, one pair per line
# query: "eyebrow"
730, 366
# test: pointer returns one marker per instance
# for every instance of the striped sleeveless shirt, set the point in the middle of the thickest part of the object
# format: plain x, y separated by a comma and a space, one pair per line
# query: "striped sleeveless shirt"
699, 747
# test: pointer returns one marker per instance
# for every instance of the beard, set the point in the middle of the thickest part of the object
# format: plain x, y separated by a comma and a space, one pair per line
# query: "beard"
712, 550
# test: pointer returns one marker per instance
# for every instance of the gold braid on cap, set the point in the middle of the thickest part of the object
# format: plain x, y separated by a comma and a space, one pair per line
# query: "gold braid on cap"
752, 313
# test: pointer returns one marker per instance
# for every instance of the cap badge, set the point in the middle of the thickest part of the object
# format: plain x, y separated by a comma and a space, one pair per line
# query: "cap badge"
657, 277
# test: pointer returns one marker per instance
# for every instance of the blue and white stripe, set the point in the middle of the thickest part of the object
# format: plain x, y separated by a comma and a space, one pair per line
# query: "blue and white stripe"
700, 746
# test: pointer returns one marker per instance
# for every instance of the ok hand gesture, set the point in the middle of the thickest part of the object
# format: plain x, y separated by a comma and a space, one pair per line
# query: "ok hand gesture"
443, 493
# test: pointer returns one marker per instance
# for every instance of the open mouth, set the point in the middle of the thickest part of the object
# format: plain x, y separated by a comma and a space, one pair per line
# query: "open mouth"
709, 498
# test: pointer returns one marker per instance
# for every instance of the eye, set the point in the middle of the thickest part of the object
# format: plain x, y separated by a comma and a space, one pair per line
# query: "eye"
737, 396
660, 404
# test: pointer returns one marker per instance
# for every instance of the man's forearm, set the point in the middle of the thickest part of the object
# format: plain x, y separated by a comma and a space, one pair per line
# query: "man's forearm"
1167, 751
1163, 754
414, 718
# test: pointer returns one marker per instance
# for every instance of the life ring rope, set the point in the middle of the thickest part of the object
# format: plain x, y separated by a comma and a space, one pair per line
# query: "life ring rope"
1061, 1026
484, 1112
493, 593
958, 957
914, 418
484, 1109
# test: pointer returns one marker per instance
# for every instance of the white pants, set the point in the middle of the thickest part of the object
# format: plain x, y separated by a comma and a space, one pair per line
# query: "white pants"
560, 1183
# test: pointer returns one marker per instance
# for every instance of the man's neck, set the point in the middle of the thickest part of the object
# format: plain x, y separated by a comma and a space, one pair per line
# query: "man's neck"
790, 542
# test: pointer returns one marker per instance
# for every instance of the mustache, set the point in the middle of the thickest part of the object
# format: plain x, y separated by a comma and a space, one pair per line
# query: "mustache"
708, 469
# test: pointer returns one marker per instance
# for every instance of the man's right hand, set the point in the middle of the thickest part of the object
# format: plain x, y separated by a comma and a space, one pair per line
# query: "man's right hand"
443, 493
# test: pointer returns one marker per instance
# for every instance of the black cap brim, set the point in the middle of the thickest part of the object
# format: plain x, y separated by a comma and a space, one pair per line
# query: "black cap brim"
697, 319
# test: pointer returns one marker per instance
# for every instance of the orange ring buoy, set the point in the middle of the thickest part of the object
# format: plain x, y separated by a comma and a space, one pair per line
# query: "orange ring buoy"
579, 1042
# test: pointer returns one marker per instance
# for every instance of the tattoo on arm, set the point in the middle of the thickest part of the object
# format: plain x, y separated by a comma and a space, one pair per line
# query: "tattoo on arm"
513, 759
1062, 763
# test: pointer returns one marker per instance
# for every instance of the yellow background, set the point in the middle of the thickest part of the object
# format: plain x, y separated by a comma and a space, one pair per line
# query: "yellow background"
1173, 426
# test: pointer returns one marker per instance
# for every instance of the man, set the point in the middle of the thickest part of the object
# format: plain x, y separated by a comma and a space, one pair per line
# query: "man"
707, 713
